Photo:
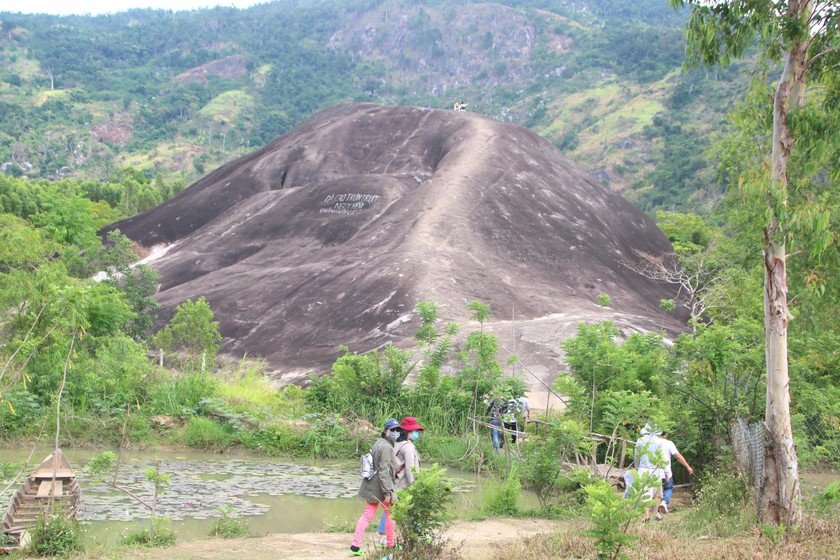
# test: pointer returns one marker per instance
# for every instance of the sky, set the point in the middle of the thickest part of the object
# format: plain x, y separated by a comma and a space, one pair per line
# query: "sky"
94, 7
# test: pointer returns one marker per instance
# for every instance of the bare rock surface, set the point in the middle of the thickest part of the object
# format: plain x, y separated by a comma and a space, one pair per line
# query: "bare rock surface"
332, 233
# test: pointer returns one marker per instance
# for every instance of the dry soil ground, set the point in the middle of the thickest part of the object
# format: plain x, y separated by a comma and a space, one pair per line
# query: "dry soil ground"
477, 539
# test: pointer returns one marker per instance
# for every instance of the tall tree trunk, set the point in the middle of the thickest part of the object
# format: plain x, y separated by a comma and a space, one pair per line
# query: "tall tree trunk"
779, 494
779, 497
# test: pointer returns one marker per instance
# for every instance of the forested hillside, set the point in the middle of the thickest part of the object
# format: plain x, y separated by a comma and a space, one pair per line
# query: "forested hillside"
176, 94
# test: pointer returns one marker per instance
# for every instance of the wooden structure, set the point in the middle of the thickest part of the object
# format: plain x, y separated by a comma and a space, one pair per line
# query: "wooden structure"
51, 489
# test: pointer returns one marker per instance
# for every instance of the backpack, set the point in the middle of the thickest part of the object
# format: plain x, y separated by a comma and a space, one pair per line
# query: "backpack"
366, 468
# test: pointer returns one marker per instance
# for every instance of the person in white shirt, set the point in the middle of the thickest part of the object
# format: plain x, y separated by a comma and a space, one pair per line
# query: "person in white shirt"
669, 450
648, 460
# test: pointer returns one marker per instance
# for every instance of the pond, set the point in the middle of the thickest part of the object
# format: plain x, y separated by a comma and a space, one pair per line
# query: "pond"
272, 495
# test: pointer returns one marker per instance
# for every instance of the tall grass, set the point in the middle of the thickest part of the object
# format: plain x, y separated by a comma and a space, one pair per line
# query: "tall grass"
500, 496
723, 508
246, 389
182, 395
203, 433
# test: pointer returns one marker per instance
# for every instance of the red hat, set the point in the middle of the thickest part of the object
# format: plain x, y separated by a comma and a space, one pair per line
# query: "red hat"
409, 424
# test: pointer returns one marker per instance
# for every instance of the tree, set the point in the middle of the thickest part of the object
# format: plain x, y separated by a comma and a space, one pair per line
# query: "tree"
803, 35
193, 330
701, 266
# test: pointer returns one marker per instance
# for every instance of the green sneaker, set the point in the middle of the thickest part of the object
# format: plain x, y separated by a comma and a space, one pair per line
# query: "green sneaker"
357, 552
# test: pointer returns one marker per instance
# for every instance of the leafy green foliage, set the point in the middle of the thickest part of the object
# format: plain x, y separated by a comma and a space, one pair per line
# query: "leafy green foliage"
193, 330
204, 433
56, 535
611, 514
366, 383
720, 375
160, 534
544, 457
828, 498
500, 496
724, 506
421, 511
227, 526
601, 367
182, 395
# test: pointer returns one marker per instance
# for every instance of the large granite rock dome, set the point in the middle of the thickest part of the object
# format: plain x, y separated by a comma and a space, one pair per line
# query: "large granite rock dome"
333, 232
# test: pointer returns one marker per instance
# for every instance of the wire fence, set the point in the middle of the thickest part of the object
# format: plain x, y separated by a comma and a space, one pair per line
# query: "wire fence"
748, 446
817, 445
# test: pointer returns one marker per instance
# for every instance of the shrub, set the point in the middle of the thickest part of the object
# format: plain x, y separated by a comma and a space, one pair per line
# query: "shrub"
228, 527
159, 534
724, 506
55, 536
182, 396
203, 433
421, 509
326, 438
612, 514
369, 384
17, 413
500, 497
828, 498
541, 468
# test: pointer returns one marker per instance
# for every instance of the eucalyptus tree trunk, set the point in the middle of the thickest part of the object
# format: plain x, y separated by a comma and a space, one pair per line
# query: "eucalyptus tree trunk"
779, 493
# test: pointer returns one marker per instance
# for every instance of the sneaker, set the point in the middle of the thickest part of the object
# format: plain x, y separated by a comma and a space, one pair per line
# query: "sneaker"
659, 516
663, 507
357, 552
381, 543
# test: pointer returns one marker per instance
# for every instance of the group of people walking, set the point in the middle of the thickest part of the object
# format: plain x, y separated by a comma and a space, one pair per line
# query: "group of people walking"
395, 463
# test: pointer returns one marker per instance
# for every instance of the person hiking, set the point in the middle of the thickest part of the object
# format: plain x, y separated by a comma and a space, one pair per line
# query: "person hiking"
511, 414
669, 450
408, 462
648, 461
379, 489
495, 409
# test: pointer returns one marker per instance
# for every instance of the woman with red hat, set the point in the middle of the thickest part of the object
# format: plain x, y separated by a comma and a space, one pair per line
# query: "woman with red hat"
407, 461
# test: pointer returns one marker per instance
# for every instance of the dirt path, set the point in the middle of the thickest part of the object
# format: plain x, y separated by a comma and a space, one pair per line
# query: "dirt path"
478, 539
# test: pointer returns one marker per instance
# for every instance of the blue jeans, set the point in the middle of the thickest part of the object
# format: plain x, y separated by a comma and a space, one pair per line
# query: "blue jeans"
381, 529
495, 435
668, 490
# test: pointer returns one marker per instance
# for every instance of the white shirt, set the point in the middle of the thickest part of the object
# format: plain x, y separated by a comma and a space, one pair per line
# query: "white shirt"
668, 451
647, 448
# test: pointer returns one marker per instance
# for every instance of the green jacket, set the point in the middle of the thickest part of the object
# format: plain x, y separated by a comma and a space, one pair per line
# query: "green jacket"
374, 490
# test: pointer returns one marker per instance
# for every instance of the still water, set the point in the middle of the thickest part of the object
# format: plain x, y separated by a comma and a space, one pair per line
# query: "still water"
272, 495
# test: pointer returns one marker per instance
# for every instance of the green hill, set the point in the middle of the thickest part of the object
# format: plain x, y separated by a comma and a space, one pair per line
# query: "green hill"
176, 94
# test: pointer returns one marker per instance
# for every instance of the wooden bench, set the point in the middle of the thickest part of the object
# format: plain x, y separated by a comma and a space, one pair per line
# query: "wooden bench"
45, 489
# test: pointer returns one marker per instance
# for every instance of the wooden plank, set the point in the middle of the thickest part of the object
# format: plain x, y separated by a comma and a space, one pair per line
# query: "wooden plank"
48, 487
49, 473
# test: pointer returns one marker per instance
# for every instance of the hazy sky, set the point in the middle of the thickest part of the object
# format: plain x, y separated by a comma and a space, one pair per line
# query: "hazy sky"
64, 7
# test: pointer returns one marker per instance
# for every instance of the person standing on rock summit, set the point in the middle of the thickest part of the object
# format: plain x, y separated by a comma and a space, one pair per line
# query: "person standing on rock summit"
379, 489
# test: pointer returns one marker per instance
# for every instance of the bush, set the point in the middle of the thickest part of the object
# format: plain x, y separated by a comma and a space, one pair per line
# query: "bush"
228, 527
369, 384
182, 396
724, 506
55, 536
17, 413
159, 534
203, 433
421, 509
612, 514
500, 497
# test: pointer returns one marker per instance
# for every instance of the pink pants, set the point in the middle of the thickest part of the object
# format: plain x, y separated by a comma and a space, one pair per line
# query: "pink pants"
365, 519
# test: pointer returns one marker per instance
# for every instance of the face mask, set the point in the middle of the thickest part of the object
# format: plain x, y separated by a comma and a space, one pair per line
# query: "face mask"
415, 436
392, 435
